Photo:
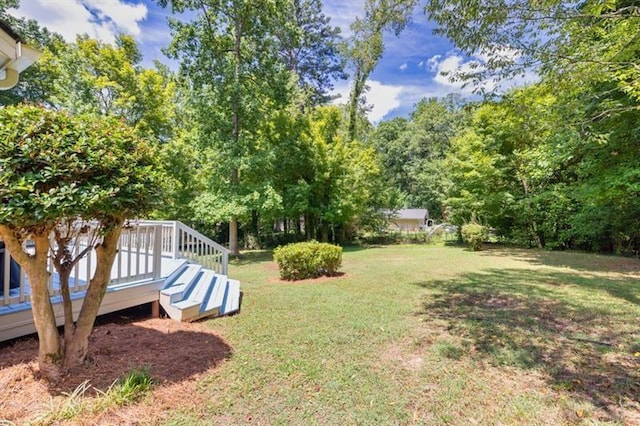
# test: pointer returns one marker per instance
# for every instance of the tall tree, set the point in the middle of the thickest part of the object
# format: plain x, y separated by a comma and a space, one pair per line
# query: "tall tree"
366, 46
573, 42
309, 46
412, 151
229, 56
90, 76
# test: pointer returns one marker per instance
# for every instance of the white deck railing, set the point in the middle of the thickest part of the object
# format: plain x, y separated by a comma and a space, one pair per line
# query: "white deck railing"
182, 242
141, 247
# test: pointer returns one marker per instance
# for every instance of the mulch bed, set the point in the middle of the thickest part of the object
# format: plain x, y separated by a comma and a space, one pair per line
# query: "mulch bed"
176, 355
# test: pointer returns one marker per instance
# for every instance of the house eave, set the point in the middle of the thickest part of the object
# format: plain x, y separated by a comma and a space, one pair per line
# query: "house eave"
15, 57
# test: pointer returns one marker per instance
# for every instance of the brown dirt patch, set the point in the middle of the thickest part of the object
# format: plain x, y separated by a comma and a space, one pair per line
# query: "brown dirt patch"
176, 354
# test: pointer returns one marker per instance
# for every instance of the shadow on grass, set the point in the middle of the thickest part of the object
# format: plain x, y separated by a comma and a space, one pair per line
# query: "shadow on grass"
545, 320
120, 342
559, 259
251, 257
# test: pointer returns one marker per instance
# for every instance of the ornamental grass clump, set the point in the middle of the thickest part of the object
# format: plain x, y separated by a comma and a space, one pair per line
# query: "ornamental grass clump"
311, 259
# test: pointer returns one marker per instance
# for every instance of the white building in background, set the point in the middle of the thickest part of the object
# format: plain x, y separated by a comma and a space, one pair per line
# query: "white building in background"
409, 220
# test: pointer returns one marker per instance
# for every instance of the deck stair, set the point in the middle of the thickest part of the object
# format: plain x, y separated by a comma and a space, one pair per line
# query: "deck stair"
195, 292
156, 261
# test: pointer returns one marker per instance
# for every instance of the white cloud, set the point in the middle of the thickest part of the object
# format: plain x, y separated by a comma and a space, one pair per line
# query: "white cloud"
432, 63
100, 19
381, 97
446, 68
403, 67
343, 13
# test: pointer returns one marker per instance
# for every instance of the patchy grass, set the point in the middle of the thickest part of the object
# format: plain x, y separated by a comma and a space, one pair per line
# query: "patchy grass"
432, 335
70, 406
408, 335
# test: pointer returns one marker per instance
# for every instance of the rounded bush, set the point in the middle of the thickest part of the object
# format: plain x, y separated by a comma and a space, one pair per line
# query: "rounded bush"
311, 259
474, 234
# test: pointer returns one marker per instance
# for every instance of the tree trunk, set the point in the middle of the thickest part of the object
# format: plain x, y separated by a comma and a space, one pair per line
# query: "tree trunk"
235, 106
234, 246
67, 306
76, 351
354, 99
325, 232
35, 267
533, 226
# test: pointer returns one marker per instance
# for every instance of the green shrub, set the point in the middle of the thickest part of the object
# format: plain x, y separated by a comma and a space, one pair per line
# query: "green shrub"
311, 259
474, 234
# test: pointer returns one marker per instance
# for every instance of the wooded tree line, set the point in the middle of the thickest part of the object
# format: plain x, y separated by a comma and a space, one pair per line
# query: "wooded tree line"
251, 150
247, 140
554, 164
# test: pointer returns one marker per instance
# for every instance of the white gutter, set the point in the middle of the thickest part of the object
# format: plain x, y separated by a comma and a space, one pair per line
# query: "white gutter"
15, 58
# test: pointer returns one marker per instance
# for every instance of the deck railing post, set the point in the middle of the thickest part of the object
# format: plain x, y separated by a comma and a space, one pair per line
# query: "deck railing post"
225, 262
157, 251
6, 274
174, 241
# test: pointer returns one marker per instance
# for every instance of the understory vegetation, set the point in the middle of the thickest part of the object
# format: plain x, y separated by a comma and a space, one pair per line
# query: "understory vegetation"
72, 405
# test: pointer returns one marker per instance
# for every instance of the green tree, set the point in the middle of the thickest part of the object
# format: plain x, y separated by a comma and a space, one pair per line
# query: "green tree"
309, 46
366, 46
511, 168
571, 42
346, 186
412, 151
229, 56
59, 171
90, 76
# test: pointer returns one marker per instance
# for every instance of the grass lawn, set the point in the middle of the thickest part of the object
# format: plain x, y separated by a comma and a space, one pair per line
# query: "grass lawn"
431, 335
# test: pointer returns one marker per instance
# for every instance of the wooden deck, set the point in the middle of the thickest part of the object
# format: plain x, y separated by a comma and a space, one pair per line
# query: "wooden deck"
17, 319
152, 257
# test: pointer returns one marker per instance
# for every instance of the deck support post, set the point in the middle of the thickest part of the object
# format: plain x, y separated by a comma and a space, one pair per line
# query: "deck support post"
155, 309
157, 251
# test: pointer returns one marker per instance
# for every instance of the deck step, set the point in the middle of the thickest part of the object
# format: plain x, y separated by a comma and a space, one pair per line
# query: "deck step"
214, 301
200, 293
232, 298
208, 293
182, 283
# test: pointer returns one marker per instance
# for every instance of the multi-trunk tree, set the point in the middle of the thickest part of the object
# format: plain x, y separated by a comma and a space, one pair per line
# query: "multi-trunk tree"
63, 177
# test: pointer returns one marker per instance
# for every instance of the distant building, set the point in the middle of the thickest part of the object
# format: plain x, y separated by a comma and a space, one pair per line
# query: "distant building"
408, 219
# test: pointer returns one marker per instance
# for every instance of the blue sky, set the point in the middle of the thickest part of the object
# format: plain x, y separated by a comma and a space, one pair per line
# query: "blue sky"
409, 70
